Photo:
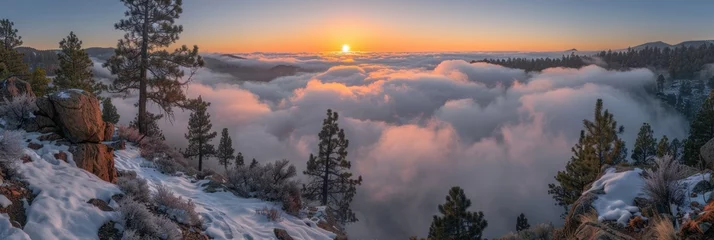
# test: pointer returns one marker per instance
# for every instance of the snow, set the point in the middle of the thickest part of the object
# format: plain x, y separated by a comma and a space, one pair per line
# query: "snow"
689, 184
621, 189
63, 95
7, 231
4, 202
60, 209
225, 216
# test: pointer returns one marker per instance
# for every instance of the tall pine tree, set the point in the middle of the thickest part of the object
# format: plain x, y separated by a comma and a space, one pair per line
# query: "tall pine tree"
109, 111
199, 134
142, 63
240, 161
75, 69
664, 147
674, 149
645, 146
152, 125
331, 182
39, 82
253, 164
598, 145
522, 223
701, 130
10, 59
225, 149
8, 35
457, 222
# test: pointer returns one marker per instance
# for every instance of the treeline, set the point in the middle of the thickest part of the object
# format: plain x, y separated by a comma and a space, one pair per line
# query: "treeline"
681, 62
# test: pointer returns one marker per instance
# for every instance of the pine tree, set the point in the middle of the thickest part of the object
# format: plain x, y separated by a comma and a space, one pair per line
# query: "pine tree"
701, 130
10, 59
142, 62
522, 223
456, 221
598, 145
39, 82
152, 126
664, 147
660, 83
109, 112
674, 149
240, 161
225, 149
253, 164
75, 69
645, 146
331, 182
8, 35
199, 134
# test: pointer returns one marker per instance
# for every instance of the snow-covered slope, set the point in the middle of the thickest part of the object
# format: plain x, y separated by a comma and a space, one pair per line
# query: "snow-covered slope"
621, 189
225, 216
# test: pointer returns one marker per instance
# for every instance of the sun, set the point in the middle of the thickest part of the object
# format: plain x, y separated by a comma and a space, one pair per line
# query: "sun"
345, 48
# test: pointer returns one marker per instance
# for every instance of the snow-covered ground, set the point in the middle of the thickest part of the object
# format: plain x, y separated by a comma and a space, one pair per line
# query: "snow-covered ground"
225, 216
701, 199
621, 189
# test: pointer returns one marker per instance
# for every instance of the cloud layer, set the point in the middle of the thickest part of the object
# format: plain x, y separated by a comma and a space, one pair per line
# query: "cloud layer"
417, 130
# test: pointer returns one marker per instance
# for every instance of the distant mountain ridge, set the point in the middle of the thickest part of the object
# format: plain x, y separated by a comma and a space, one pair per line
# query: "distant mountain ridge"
660, 44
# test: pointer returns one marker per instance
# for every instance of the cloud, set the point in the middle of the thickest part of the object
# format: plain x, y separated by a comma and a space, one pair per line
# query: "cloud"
417, 130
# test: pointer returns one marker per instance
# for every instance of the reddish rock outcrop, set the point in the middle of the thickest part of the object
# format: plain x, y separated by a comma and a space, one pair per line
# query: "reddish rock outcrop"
95, 158
13, 86
78, 115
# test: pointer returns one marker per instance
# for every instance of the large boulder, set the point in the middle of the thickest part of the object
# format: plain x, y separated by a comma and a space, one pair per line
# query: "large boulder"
78, 116
13, 86
599, 231
95, 158
707, 153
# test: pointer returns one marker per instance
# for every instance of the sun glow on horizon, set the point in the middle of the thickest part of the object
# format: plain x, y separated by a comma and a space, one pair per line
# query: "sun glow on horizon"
345, 48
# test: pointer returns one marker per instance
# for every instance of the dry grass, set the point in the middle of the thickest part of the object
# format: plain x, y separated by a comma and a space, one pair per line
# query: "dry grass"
637, 223
590, 216
664, 229
273, 214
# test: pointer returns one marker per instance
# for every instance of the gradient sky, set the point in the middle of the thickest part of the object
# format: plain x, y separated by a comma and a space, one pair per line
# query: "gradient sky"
381, 25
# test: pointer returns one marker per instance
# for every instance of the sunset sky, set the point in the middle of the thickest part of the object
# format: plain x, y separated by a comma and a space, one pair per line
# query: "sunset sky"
372, 25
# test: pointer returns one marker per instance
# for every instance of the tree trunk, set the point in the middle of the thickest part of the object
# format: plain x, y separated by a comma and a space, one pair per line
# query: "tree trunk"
200, 156
141, 118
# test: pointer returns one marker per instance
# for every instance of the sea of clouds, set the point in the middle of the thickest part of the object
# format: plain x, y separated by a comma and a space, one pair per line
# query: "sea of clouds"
419, 123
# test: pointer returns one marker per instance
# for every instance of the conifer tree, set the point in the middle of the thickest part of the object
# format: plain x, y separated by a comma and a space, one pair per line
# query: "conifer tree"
664, 147
253, 164
152, 126
598, 145
331, 182
660, 83
456, 221
225, 149
240, 161
674, 149
75, 69
701, 130
645, 146
10, 59
109, 112
522, 223
142, 63
39, 82
8, 35
199, 134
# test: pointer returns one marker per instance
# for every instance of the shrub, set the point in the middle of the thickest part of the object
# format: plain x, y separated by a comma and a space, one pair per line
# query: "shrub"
292, 200
167, 159
17, 111
129, 134
132, 235
179, 210
664, 229
272, 214
662, 183
11, 149
137, 217
270, 182
541, 231
133, 187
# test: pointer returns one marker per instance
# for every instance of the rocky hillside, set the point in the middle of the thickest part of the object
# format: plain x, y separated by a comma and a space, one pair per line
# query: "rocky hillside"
69, 175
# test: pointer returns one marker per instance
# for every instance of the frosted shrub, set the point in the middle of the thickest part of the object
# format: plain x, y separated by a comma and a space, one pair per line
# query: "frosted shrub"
136, 217
133, 187
178, 209
662, 183
541, 231
128, 134
270, 182
132, 235
272, 214
11, 149
17, 111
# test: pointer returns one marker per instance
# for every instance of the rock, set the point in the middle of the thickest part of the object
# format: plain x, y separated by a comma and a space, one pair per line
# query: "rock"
702, 186
35, 146
597, 231
61, 156
118, 145
707, 154
109, 232
13, 86
25, 159
49, 137
108, 131
693, 195
281, 234
78, 115
95, 158
101, 204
